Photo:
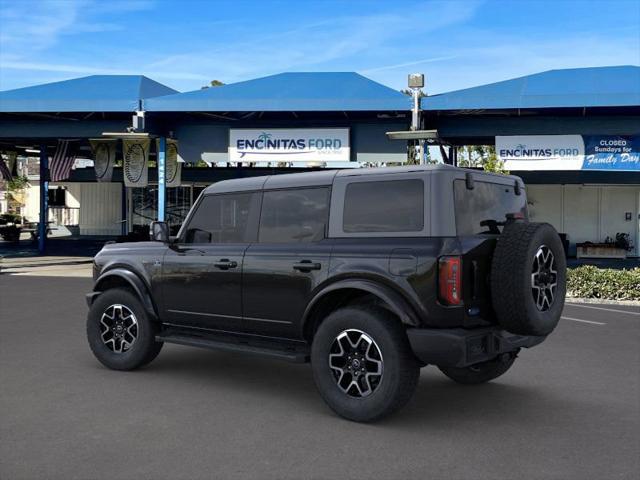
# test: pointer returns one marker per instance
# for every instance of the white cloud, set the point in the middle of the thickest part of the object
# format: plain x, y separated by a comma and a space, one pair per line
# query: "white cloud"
349, 40
31, 27
408, 64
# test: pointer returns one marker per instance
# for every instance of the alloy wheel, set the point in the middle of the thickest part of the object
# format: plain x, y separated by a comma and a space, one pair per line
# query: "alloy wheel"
544, 278
356, 363
118, 328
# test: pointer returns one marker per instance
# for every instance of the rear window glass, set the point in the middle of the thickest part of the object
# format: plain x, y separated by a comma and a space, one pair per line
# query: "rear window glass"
486, 202
384, 206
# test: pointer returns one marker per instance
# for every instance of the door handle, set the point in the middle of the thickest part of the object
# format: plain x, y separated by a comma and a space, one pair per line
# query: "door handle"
306, 266
225, 264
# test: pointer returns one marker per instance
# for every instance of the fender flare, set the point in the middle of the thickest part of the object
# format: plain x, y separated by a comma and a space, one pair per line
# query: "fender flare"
397, 304
136, 283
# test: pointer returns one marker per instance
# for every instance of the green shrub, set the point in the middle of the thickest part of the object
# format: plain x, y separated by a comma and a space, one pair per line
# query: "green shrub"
588, 281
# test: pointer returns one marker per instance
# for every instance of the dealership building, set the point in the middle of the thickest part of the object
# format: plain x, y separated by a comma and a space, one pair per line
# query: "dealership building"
573, 135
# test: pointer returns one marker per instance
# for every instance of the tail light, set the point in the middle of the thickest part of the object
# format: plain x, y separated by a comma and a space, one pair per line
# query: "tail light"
450, 280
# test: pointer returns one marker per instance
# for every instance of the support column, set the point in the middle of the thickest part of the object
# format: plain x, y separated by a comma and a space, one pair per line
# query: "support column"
162, 179
44, 199
123, 209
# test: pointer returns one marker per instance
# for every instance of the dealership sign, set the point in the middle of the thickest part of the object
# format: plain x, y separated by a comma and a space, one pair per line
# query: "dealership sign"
541, 152
569, 152
289, 145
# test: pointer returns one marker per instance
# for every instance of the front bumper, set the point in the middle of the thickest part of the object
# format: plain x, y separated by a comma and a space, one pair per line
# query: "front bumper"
90, 297
458, 347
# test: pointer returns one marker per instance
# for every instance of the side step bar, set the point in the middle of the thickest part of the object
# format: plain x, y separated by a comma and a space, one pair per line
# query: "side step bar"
290, 352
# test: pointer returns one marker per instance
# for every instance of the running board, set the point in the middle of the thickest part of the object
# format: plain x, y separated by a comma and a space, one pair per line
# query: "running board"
290, 352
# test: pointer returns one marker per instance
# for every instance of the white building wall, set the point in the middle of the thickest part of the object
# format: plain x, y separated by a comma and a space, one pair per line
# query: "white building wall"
100, 208
588, 213
31, 208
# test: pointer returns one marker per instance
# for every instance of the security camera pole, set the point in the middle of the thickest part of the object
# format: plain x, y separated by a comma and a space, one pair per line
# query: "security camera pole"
416, 83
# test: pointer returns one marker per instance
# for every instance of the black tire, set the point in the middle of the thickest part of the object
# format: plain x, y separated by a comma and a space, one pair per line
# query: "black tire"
516, 301
481, 372
142, 350
399, 368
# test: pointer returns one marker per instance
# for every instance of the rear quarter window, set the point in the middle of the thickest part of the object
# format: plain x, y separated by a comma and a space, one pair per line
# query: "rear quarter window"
486, 201
384, 206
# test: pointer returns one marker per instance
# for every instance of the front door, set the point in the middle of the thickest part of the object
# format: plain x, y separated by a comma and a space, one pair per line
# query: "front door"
289, 261
202, 271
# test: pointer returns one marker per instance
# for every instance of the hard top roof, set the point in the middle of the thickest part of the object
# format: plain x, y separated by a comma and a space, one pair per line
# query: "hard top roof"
312, 179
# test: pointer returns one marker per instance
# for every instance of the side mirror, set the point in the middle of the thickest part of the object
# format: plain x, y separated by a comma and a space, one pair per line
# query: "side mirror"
159, 232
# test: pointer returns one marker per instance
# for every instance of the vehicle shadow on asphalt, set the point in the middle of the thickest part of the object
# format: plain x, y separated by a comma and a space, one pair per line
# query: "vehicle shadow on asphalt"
437, 401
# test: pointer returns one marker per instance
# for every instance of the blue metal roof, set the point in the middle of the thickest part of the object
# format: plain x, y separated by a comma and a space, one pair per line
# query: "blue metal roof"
96, 93
298, 92
577, 87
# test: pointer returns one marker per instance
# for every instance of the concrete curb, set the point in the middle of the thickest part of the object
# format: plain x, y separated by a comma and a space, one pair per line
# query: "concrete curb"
10, 265
601, 301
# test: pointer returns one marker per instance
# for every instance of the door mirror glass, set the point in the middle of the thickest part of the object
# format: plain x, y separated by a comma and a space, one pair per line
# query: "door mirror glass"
159, 232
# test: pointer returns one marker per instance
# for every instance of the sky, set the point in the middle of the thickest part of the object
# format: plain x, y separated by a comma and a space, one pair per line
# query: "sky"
185, 44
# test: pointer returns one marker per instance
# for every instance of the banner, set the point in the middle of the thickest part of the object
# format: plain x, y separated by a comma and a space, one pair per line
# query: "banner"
12, 161
611, 152
289, 145
541, 152
569, 152
173, 167
135, 153
104, 157
8, 168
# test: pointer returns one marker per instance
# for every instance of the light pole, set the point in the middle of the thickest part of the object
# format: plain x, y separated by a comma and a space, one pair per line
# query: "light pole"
416, 83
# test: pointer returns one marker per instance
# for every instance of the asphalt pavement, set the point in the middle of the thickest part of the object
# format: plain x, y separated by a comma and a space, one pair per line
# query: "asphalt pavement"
568, 409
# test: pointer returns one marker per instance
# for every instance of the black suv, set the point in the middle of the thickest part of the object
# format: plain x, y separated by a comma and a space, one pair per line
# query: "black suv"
369, 273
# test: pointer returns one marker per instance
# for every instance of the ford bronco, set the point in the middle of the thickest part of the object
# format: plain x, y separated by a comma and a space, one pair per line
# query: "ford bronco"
369, 274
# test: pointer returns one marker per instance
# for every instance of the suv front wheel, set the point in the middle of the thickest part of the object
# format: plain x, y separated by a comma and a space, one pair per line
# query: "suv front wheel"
120, 333
362, 363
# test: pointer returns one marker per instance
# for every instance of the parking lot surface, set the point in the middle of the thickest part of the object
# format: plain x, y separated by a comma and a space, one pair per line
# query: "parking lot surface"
568, 409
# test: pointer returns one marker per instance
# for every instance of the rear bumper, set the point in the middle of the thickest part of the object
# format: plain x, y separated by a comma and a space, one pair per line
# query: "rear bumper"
458, 347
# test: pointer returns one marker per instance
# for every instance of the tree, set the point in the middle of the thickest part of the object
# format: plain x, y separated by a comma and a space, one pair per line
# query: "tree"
213, 83
493, 164
475, 156
15, 194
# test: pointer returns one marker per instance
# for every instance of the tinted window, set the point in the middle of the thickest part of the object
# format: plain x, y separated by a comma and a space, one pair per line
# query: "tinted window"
222, 219
388, 206
487, 201
297, 215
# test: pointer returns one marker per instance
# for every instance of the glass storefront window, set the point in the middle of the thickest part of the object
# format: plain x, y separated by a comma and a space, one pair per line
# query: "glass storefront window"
144, 207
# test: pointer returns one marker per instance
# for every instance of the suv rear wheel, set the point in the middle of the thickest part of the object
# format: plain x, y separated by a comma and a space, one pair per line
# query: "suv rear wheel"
120, 333
362, 363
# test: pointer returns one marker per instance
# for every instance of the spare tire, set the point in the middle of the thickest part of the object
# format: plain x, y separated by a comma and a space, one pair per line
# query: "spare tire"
528, 278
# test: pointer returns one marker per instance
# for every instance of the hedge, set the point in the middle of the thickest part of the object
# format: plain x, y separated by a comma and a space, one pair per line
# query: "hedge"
588, 281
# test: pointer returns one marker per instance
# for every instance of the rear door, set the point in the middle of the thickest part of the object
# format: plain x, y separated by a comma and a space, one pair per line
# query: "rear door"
289, 260
202, 271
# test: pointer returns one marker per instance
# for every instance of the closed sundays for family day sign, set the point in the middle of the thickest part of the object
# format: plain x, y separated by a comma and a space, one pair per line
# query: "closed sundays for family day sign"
569, 152
289, 145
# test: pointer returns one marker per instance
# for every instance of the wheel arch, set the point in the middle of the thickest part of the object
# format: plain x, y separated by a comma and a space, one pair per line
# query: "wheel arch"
352, 291
121, 277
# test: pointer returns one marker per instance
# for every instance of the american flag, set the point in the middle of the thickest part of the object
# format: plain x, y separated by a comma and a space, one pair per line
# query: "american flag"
4, 170
62, 161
